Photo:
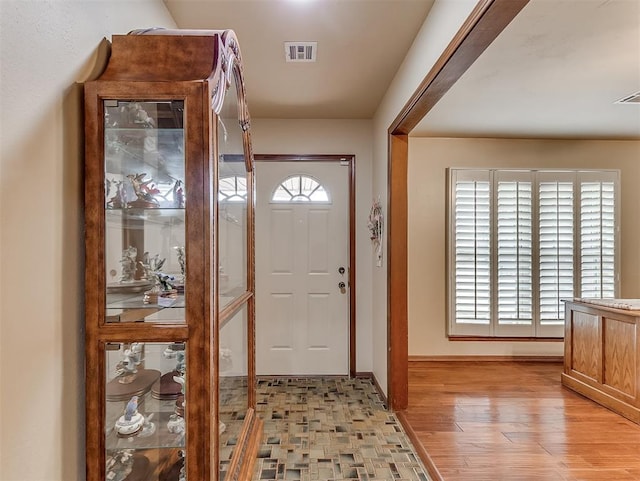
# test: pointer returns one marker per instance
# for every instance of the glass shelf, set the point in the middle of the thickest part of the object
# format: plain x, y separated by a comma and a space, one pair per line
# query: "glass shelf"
152, 213
155, 435
145, 253
144, 390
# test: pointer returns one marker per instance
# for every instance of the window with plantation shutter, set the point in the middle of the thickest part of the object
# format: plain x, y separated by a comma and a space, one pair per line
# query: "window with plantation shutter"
472, 252
521, 241
514, 249
597, 238
555, 246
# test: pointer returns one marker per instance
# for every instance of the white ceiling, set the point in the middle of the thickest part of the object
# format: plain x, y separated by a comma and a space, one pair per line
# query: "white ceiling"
358, 51
555, 71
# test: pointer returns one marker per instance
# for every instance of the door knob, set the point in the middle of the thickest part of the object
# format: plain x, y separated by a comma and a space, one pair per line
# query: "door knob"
341, 271
343, 287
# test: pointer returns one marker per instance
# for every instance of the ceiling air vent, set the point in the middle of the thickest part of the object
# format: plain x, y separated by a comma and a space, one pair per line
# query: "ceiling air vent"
630, 99
300, 51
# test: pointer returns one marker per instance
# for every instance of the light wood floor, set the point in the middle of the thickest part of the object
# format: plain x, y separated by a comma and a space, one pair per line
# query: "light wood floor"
508, 421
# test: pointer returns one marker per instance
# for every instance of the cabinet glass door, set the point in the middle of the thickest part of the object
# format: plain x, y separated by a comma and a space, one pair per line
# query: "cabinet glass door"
232, 384
145, 411
232, 203
233, 282
145, 196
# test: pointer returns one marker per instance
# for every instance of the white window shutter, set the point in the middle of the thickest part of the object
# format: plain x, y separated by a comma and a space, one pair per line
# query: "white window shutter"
597, 238
555, 247
472, 250
514, 249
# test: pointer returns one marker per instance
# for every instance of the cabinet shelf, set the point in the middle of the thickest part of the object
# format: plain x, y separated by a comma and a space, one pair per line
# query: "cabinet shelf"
149, 212
122, 301
152, 214
122, 308
156, 437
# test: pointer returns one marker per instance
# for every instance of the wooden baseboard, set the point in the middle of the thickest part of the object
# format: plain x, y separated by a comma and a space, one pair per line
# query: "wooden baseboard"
559, 359
370, 375
420, 451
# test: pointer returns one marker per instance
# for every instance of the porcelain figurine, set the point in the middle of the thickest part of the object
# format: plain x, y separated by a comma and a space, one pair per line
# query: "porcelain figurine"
131, 421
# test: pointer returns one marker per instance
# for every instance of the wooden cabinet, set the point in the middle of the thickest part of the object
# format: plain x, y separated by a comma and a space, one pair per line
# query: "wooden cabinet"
170, 378
602, 354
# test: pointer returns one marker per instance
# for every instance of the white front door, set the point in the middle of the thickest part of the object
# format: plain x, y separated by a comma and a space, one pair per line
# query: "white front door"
302, 314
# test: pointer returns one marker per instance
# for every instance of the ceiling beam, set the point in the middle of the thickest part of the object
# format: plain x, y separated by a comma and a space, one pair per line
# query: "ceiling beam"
487, 20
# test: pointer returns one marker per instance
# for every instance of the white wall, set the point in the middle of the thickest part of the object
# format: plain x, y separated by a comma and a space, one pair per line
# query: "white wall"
428, 161
444, 20
45, 48
334, 137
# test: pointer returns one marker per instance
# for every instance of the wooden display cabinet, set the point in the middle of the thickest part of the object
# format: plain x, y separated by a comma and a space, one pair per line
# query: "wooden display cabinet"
170, 377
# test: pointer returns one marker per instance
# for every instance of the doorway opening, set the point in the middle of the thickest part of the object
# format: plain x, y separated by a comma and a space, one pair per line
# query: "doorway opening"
487, 20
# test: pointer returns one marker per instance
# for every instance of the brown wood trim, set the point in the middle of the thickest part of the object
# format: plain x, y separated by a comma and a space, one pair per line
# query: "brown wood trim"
255, 441
422, 453
505, 339
94, 300
130, 59
251, 285
94, 413
302, 157
351, 159
143, 333
397, 321
352, 267
557, 359
244, 454
484, 24
227, 313
210, 285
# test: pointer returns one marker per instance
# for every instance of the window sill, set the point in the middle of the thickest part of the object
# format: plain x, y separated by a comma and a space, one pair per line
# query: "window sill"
506, 339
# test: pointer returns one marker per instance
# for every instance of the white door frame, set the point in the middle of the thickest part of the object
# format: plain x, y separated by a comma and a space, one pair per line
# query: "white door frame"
350, 160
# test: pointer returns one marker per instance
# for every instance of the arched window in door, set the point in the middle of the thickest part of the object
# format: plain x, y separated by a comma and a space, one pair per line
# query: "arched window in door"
232, 189
300, 188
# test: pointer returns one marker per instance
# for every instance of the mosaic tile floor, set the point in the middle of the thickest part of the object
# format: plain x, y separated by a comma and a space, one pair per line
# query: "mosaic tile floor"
331, 429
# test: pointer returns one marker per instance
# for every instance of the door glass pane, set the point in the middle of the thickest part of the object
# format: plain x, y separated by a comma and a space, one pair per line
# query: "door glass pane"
145, 201
145, 426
